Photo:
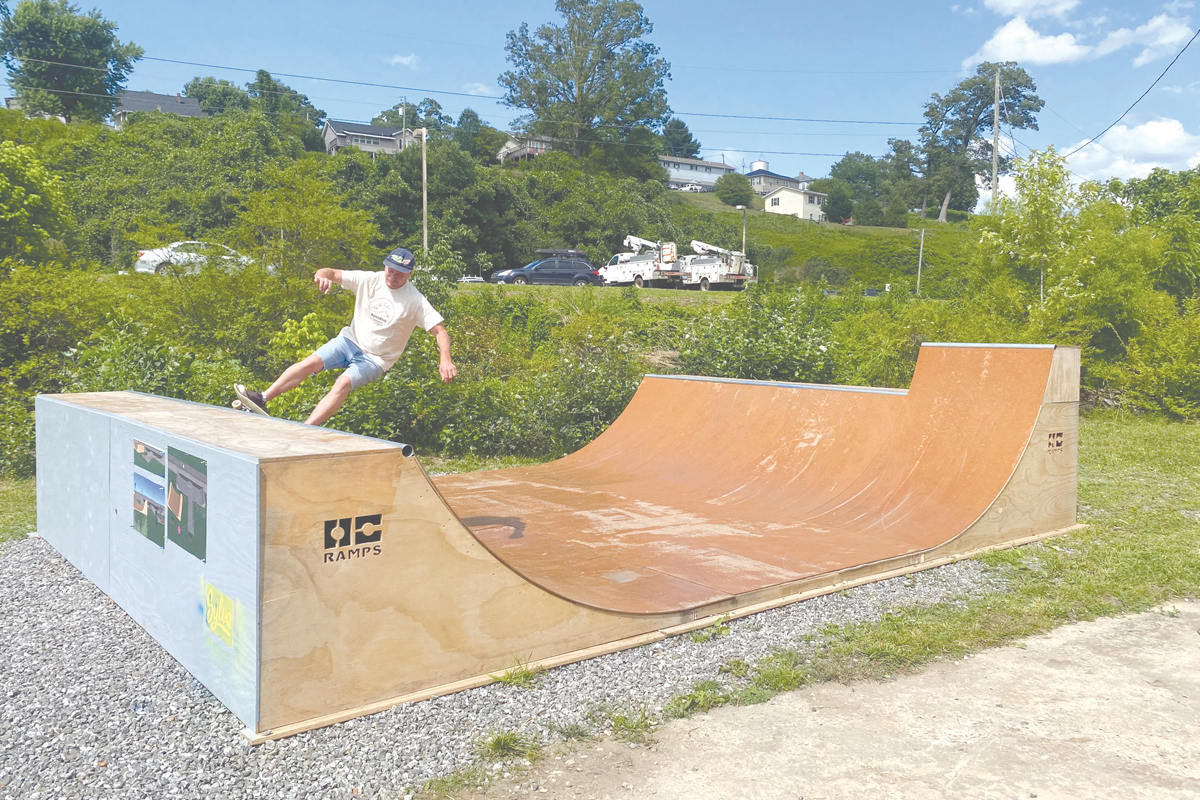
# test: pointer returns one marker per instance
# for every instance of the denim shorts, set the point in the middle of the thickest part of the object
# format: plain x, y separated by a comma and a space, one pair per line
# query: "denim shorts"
341, 353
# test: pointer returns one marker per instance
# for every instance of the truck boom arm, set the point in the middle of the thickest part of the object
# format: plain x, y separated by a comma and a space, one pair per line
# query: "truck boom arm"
704, 247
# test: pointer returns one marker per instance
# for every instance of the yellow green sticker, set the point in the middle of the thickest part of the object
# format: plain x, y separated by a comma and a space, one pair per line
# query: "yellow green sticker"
218, 613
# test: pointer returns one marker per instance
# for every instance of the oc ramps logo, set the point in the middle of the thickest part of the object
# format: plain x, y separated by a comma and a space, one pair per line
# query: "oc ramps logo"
366, 532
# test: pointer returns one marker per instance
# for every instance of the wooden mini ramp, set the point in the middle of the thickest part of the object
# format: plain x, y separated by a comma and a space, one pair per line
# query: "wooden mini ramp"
334, 578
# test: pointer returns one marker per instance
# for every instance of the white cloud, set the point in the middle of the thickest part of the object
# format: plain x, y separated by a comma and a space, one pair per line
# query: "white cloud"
1031, 8
964, 9
481, 89
1132, 152
1176, 6
1161, 36
1016, 41
411, 60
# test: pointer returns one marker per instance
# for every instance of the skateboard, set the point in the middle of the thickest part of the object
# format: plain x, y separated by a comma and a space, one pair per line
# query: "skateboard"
242, 404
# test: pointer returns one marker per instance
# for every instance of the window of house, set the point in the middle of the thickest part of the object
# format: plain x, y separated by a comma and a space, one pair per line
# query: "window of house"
812, 199
774, 201
708, 169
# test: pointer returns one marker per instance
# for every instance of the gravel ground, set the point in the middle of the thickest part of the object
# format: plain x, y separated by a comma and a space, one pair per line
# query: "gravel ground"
92, 707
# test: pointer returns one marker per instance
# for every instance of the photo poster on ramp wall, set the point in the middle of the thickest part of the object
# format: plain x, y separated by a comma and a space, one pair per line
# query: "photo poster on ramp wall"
149, 491
187, 502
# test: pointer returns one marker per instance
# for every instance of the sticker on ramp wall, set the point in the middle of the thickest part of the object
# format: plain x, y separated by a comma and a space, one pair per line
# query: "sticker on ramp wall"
187, 502
218, 612
149, 491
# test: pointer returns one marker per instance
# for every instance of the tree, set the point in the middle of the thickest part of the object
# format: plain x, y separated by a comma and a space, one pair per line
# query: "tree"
217, 96
291, 111
482, 141
64, 63
839, 203
593, 72
427, 114
867, 211
734, 189
30, 204
896, 213
953, 136
866, 175
678, 141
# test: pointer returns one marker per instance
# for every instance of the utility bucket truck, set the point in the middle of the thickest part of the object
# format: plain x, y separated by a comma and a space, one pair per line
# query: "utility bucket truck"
715, 268
657, 266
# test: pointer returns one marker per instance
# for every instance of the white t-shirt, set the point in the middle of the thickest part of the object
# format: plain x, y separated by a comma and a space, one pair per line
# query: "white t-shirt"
384, 318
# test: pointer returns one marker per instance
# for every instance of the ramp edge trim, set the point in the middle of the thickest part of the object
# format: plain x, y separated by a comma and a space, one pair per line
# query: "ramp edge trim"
991, 346
823, 386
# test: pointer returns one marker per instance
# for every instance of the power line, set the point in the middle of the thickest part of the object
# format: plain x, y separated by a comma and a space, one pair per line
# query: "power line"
1135, 102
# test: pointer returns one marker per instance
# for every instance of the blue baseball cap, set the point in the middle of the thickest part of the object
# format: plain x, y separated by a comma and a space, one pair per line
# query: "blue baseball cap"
400, 260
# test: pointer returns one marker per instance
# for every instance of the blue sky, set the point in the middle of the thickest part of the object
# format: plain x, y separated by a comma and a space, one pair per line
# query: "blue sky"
865, 61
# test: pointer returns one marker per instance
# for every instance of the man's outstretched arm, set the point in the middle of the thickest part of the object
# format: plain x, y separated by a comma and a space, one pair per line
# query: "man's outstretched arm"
325, 278
445, 365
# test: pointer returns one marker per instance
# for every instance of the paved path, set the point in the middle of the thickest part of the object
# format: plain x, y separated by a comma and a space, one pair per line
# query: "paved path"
1109, 709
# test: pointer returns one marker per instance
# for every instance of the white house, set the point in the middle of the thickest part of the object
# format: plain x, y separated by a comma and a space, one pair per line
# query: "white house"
369, 138
683, 172
805, 204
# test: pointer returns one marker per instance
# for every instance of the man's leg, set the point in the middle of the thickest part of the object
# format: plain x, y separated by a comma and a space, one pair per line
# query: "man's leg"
331, 402
293, 376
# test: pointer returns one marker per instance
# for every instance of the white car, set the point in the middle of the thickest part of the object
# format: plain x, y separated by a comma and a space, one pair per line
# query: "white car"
188, 258
471, 279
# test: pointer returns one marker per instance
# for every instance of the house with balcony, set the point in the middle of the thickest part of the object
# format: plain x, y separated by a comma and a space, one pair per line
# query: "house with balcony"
371, 139
130, 102
683, 173
805, 204
522, 147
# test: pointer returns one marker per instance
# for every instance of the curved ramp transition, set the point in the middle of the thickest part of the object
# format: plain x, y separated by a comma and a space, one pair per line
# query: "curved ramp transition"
307, 576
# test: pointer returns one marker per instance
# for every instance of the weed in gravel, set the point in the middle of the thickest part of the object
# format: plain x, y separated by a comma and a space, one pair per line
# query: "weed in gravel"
630, 726
718, 628
704, 696
572, 731
520, 676
452, 785
508, 744
780, 672
736, 667
750, 696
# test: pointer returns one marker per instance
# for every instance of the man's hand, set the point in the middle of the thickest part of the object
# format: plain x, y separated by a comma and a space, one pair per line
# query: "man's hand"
325, 278
447, 369
445, 366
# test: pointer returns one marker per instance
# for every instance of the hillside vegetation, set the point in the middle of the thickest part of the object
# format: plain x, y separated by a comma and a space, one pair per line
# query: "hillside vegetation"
543, 370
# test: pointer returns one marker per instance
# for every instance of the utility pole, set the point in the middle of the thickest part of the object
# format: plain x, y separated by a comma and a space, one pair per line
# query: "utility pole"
996, 140
920, 261
424, 195
403, 122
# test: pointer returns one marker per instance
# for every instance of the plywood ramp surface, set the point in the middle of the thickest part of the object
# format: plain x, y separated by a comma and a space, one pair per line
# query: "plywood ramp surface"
706, 490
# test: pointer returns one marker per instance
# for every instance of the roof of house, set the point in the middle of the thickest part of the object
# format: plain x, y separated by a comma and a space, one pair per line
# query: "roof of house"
766, 173
793, 191
151, 101
359, 128
696, 161
802, 177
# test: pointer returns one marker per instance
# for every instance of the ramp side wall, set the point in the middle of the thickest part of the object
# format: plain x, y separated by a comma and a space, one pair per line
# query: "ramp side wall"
431, 607
194, 588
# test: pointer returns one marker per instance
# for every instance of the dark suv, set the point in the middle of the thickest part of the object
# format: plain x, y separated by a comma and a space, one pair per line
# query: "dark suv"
562, 267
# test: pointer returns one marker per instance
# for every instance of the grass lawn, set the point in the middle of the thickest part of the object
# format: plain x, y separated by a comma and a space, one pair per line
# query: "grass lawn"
681, 297
18, 508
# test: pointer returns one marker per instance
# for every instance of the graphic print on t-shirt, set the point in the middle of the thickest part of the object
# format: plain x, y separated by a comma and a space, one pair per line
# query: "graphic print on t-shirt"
382, 310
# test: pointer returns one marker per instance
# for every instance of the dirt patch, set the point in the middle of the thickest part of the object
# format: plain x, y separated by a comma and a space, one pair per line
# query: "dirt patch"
1109, 708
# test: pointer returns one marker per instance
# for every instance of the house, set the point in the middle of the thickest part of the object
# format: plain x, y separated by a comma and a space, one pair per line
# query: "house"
685, 172
763, 181
522, 147
805, 204
368, 138
129, 102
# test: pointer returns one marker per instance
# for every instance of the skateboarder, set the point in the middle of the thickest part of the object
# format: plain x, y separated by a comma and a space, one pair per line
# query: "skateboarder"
386, 309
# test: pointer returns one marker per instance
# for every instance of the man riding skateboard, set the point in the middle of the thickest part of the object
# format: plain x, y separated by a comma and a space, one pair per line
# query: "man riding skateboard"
386, 310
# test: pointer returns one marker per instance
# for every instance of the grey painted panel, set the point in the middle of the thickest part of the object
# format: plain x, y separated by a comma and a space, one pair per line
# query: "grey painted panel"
72, 485
182, 601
